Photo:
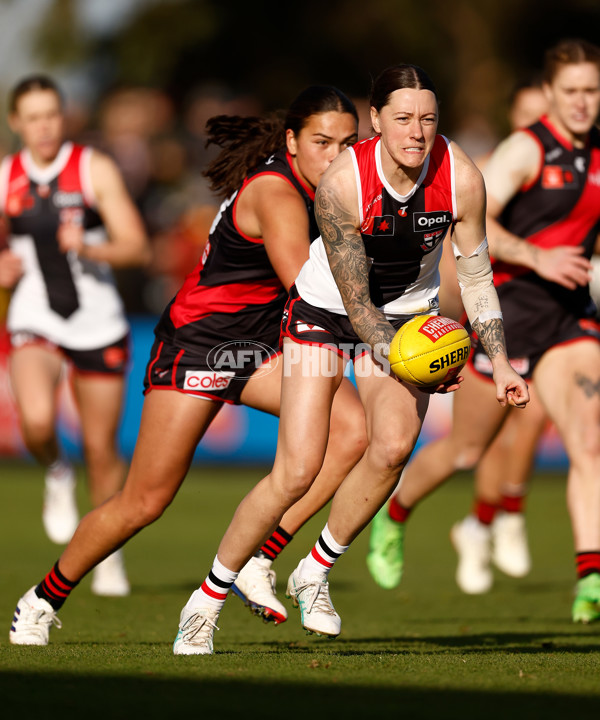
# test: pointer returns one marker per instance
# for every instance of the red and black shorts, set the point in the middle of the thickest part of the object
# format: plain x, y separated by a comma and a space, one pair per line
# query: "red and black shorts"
111, 359
310, 325
220, 373
534, 322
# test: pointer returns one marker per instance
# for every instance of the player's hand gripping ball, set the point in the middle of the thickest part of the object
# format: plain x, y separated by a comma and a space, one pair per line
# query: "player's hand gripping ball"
429, 350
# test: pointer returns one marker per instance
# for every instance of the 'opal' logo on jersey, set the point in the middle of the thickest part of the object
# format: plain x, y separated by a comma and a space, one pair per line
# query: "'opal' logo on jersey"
63, 199
235, 355
429, 221
202, 381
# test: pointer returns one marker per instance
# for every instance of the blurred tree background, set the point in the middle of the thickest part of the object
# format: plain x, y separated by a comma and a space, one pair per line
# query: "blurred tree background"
474, 49
142, 77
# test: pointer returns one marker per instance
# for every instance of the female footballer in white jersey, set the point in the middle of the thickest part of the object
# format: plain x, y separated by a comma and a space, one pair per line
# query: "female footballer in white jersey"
70, 220
372, 270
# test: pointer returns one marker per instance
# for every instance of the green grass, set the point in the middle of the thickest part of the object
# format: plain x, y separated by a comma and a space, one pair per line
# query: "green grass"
424, 650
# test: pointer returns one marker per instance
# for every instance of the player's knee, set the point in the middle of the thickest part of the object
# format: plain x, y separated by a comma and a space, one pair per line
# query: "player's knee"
100, 456
466, 458
391, 453
295, 482
139, 509
37, 430
349, 436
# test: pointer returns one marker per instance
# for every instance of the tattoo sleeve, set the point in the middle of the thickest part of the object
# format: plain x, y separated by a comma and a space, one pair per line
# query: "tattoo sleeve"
491, 336
350, 267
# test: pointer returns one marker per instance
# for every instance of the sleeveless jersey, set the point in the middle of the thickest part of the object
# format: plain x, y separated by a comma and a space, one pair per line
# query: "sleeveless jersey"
68, 300
560, 207
233, 292
402, 234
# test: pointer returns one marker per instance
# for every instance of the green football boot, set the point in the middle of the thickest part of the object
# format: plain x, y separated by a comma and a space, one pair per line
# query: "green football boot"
586, 606
386, 550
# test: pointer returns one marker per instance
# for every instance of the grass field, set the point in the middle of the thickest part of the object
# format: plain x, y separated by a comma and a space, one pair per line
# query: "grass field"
422, 651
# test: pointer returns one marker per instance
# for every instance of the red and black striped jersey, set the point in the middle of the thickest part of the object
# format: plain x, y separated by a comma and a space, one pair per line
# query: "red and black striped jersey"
402, 234
234, 288
562, 205
68, 299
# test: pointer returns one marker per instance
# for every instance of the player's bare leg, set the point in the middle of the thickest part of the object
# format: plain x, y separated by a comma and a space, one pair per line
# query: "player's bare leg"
256, 582
172, 424
574, 406
301, 449
501, 483
35, 372
100, 399
35, 376
394, 414
476, 417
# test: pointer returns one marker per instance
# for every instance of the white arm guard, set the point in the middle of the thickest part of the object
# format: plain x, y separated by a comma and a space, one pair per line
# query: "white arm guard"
477, 284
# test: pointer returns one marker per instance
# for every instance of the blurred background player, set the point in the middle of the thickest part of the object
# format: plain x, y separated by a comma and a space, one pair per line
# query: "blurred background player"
543, 221
70, 220
368, 273
502, 474
268, 171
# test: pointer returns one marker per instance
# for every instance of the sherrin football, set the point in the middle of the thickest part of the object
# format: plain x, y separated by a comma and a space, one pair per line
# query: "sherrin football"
429, 349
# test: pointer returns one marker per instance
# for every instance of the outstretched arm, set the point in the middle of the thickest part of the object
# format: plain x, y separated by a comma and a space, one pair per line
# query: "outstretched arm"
476, 279
515, 163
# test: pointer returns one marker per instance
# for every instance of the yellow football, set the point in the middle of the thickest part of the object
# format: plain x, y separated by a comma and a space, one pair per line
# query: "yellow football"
429, 349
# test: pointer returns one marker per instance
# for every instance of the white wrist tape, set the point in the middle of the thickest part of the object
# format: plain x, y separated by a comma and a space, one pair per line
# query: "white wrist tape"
476, 282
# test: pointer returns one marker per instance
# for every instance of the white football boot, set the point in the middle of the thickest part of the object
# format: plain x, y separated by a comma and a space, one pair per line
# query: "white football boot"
472, 542
195, 634
311, 595
32, 620
510, 550
255, 586
109, 578
59, 514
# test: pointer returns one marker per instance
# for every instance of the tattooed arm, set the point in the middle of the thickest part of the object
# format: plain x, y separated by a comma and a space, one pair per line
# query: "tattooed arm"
475, 276
514, 164
336, 212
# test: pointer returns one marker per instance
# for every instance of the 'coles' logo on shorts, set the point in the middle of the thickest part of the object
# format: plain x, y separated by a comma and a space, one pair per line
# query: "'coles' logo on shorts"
200, 380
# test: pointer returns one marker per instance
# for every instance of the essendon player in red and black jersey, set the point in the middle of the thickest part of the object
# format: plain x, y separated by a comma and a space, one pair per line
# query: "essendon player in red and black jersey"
234, 291
217, 342
543, 218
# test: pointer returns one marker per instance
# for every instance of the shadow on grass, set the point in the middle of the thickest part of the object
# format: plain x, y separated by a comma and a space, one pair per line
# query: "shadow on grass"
27, 695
